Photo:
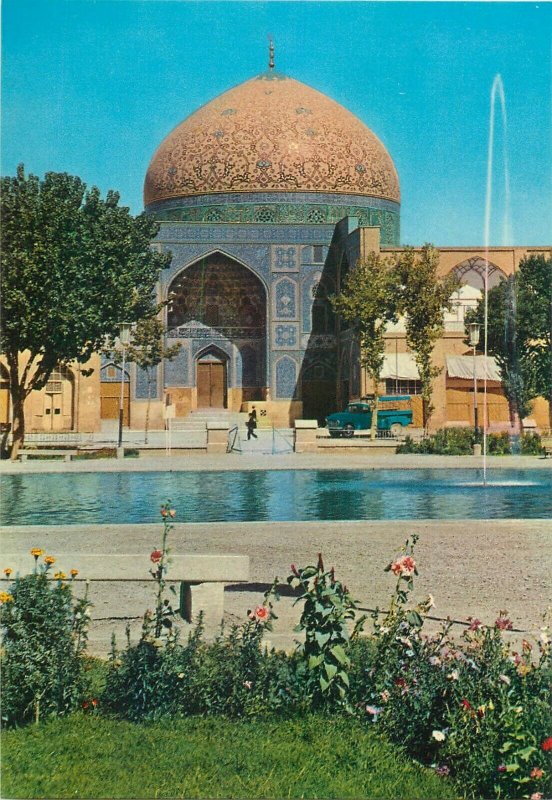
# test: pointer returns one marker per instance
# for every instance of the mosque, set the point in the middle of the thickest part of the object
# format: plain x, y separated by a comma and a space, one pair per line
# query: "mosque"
266, 196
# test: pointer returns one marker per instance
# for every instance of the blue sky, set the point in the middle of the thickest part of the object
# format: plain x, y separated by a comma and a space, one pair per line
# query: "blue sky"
91, 87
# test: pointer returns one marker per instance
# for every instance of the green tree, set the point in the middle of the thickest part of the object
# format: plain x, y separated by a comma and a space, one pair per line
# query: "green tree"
147, 350
73, 266
422, 299
519, 333
368, 302
535, 321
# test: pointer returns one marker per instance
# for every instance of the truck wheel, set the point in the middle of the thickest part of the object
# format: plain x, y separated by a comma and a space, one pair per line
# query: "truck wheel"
348, 431
396, 429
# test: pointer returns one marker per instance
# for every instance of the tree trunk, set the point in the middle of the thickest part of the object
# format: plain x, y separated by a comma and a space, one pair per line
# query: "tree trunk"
18, 431
375, 405
146, 425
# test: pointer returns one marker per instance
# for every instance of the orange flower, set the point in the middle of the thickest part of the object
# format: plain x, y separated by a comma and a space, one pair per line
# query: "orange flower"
73, 573
37, 552
49, 560
8, 571
6, 597
172, 513
164, 511
60, 576
536, 772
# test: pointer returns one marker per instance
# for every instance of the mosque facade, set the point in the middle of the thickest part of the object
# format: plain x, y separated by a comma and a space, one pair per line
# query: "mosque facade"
265, 197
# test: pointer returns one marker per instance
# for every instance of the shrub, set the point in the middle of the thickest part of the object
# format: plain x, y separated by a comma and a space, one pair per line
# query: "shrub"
473, 708
44, 637
328, 608
460, 441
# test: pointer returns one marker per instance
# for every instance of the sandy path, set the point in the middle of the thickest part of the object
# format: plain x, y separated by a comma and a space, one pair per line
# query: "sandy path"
471, 567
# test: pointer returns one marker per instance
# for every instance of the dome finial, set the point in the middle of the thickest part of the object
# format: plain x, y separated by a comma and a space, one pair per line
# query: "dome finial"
270, 52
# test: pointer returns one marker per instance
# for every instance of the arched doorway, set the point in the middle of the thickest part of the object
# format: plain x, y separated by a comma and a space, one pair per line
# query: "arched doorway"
218, 309
212, 380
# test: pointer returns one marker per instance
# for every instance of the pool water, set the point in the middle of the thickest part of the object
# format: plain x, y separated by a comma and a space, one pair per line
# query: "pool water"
275, 495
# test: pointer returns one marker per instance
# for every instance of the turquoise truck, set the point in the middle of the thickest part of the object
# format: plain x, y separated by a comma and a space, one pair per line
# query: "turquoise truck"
394, 414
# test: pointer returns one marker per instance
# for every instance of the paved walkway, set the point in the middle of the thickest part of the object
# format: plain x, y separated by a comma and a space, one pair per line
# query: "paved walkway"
255, 461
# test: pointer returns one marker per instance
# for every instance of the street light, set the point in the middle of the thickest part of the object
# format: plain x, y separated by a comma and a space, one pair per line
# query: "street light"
124, 340
473, 329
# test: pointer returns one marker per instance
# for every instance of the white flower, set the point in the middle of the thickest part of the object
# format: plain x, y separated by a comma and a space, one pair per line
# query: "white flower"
453, 676
505, 679
384, 629
439, 736
434, 661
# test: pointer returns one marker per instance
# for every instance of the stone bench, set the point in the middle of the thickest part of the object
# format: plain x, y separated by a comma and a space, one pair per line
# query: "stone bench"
67, 454
201, 577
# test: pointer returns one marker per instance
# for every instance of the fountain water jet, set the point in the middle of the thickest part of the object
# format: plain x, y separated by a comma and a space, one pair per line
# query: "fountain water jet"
497, 88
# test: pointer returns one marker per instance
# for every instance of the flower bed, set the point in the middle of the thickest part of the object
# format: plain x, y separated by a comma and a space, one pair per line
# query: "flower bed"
471, 707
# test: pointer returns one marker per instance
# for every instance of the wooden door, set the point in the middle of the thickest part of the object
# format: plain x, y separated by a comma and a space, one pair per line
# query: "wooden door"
211, 384
110, 399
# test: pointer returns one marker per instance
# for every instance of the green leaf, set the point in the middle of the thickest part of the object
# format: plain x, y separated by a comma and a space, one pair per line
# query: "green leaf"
331, 669
414, 619
527, 752
339, 653
512, 767
321, 638
315, 661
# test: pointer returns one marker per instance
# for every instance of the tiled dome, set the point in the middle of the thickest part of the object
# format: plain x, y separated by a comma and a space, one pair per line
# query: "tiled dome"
271, 134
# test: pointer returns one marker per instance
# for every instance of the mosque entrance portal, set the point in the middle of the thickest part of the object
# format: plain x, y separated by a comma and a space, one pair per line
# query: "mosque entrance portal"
211, 382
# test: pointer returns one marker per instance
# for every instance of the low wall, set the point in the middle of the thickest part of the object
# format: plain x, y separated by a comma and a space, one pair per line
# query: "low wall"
309, 438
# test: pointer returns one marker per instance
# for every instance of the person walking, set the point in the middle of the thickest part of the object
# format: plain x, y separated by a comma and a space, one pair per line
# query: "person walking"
251, 424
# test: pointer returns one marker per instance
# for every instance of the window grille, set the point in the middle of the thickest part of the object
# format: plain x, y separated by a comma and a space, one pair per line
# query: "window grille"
54, 383
402, 386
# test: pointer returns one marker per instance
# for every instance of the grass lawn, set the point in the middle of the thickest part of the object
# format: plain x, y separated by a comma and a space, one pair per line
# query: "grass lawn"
93, 757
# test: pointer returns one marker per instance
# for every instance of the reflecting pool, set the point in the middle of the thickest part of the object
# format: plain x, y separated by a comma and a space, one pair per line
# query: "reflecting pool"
275, 495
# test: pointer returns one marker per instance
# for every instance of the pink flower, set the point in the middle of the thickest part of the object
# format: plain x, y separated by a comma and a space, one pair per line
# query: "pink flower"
443, 770
156, 556
502, 768
536, 796
172, 513
403, 566
466, 704
260, 614
536, 772
475, 624
503, 623
373, 710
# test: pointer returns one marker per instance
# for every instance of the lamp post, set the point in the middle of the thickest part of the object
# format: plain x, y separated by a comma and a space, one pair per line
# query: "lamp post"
473, 328
124, 339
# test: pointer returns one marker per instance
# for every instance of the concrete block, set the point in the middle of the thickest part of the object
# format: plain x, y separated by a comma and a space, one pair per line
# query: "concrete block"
202, 597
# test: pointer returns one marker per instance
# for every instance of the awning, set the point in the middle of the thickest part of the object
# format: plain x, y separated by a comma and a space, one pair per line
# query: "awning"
462, 367
400, 366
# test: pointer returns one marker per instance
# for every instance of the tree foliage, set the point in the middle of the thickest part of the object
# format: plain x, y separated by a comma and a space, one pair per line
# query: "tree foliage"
368, 302
519, 333
74, 266
422, 299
